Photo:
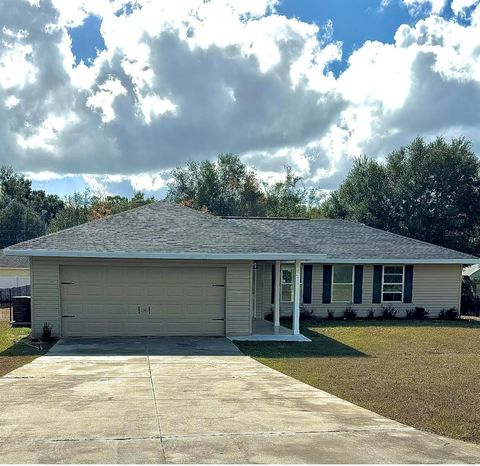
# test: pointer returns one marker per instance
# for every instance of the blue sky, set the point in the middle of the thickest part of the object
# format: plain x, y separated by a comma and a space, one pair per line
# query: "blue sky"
178, 82
354, 21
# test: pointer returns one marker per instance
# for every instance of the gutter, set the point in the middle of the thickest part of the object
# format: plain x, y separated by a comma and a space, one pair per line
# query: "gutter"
268, 256
166, 255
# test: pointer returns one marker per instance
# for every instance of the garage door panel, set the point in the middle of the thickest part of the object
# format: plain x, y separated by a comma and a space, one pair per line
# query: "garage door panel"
105, 301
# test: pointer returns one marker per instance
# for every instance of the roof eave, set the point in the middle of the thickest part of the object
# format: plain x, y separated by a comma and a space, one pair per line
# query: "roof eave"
314, 258
165, 255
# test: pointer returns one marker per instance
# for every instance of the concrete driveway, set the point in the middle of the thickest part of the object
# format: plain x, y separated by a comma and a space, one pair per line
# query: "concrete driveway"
184, 400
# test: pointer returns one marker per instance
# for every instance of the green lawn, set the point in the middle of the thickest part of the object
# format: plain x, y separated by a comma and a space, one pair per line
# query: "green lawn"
16, 349
424, 374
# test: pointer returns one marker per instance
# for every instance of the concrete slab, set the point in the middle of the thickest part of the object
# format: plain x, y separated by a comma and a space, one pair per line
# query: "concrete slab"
328, 447
199, 400
125, 451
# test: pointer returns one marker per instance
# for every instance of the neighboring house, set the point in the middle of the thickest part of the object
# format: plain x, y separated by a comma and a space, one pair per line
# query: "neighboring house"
14, 271
473, 272
163, 269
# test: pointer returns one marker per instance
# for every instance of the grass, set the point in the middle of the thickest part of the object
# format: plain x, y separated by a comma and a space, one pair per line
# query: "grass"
16, 349
422, 373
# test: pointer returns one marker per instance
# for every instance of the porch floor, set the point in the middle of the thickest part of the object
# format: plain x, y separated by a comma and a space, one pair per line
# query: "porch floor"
264, 330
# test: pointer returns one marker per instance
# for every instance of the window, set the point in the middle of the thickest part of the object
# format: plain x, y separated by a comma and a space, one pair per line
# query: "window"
287, 283
392, 287
342, 284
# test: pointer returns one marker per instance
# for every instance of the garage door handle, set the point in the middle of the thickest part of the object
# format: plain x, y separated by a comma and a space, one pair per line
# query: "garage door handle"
149, 309
138, 308
219, 285
67, 316
218, 319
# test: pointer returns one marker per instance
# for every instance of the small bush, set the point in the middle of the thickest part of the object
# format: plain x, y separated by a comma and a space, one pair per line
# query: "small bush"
448, 314
418, 313
306, 312
330, 314
370, 315
410, 314
47, 331
389, 312
350, 314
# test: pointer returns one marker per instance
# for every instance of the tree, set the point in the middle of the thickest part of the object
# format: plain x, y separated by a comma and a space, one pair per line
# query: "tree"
14, 186
228, 187
82, 207
18, 223
114, 204
289, 198
428, 191
224, 187
75, 212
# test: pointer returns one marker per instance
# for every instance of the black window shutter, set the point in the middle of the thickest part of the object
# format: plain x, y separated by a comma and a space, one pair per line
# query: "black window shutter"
327, 284
408, 287
358, 285
307, 284
377, 284
273, 283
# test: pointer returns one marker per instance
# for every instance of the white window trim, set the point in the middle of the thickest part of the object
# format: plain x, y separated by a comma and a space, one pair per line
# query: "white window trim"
403, 282
291, 284
353, 283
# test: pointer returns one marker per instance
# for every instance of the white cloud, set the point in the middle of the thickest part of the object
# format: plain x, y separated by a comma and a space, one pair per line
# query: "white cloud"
191, 79
417, 6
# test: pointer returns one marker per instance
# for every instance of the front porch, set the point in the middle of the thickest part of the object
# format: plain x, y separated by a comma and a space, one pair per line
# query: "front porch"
264, 330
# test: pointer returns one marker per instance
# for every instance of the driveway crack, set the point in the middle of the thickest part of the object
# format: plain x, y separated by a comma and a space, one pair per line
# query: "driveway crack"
155, 403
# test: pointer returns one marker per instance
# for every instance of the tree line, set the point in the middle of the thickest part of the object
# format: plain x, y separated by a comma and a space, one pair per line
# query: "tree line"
426, 190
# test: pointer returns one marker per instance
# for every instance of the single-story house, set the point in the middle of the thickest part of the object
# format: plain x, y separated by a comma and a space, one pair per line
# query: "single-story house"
14, 271
164, 269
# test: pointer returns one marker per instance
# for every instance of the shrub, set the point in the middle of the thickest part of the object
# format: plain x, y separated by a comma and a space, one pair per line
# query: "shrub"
389, 312
306, 312
448, 314
47, 331
350, 314
419, 313
371, 314
410, 314
330, 314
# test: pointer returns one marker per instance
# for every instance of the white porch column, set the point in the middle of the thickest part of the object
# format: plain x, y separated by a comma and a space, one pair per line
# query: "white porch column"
296, 299
276, 295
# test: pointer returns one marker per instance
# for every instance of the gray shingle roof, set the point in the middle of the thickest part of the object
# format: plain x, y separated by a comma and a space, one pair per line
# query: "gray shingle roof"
17, 262
160, 228
167, 230
341, 239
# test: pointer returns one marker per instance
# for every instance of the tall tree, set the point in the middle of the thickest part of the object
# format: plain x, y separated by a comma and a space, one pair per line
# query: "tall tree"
289, 197
18, 223
428, 191
228, 187
224, 187
102, 207
75, 212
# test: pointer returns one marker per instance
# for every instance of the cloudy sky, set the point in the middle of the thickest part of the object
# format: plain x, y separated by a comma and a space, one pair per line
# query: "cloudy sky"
111, 94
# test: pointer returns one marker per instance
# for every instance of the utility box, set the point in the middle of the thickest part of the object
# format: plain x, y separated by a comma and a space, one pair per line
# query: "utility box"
21, 315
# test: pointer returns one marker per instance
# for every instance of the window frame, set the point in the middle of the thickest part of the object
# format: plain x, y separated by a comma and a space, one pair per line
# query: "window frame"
403, 282
333, 283
291, 284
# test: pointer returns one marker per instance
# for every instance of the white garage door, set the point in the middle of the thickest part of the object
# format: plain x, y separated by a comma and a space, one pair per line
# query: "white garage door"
115, 301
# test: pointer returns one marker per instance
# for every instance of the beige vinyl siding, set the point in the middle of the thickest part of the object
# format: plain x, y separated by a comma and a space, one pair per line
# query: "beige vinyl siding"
46, 288
45, 292
14, 272
238, 312
435, 287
